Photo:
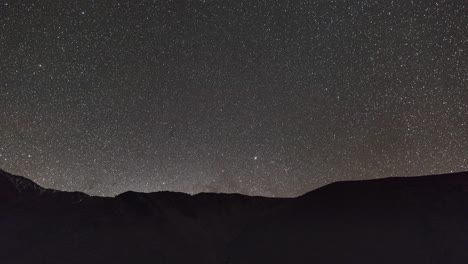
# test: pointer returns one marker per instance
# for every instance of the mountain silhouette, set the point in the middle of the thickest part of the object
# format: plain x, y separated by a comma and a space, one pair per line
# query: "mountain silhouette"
393, 220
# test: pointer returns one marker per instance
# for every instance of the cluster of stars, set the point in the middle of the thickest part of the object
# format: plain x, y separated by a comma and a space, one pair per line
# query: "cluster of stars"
270, 98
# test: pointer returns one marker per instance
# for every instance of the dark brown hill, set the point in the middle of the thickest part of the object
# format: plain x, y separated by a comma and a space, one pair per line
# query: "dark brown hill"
393, 220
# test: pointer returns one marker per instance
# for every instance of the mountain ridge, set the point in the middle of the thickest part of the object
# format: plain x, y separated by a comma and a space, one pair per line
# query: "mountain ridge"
22, 184
398, 219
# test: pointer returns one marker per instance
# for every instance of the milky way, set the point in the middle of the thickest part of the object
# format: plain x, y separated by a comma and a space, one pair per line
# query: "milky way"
270, 98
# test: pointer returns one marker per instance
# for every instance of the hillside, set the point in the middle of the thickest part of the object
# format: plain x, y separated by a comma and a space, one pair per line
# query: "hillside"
393, 220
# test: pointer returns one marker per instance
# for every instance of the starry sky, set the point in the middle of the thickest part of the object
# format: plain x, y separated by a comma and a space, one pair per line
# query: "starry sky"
270, 98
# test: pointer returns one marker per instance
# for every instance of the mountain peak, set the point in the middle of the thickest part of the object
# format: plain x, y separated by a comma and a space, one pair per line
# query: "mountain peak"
13, 185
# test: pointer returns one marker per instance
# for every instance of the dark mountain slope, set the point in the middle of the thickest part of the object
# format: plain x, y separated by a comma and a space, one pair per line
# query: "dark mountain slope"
393, 220
164, 227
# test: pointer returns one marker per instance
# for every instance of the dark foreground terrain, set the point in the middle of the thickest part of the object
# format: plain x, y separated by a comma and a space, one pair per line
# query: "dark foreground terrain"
393, 220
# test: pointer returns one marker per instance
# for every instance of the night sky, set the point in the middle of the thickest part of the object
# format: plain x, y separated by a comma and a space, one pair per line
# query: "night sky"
270, 98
